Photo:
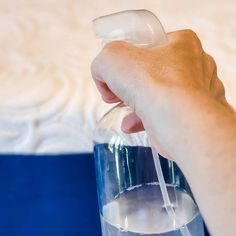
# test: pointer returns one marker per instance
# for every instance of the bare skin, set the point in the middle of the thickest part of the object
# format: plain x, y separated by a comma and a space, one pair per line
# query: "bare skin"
178, 99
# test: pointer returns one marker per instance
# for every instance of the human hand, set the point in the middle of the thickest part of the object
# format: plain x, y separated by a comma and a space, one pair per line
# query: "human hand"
163, 85
174, 90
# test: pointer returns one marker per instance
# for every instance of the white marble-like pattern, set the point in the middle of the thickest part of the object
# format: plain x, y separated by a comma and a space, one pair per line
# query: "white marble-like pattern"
48, 102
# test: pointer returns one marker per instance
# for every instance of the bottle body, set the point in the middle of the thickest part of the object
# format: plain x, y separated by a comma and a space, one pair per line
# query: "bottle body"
130, 199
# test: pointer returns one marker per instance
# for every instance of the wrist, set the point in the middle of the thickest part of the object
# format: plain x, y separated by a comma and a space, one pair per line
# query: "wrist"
179, 120
207, 125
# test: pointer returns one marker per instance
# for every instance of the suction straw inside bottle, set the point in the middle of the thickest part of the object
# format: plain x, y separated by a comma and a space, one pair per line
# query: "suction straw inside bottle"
167, 203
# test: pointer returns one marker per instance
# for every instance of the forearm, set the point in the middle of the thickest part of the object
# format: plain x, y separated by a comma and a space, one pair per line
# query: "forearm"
210, 171
212, 179
207, 158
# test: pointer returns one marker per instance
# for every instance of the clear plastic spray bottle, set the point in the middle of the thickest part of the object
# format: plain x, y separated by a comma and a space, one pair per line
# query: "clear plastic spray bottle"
139, 192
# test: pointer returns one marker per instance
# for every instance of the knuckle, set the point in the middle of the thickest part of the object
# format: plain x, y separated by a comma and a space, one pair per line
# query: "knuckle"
220, 89
107, 55
114, 46
210, 61
116, 51
192, 39
190, 33
188, 40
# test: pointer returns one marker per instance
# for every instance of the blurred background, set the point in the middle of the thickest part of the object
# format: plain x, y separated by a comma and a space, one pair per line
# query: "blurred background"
49, 105
48, 102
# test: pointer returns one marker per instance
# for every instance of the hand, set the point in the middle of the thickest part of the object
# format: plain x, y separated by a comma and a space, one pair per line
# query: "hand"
174, 90
156, 83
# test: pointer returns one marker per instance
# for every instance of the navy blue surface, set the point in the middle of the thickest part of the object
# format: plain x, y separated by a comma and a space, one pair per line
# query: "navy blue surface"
134, 165
48, 196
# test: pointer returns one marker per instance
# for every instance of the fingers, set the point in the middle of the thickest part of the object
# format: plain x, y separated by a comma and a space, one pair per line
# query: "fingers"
112, 73
132, 124
98, 68
116, 59
107, 95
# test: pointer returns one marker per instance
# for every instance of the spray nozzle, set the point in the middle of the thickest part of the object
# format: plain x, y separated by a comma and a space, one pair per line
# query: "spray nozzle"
139, 27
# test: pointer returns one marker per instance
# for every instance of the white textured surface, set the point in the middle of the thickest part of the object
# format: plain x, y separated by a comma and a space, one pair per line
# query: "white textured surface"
48, 102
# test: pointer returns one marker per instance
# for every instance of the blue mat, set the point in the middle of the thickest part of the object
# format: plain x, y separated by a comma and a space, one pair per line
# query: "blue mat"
48, 196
